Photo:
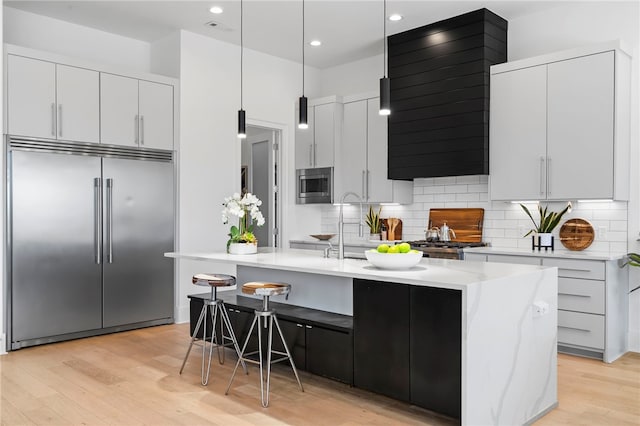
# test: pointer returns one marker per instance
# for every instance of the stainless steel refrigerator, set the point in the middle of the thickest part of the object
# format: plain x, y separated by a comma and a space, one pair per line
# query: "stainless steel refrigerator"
87, 228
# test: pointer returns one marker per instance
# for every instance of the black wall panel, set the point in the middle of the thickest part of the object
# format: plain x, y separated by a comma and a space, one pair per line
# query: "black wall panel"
439, 122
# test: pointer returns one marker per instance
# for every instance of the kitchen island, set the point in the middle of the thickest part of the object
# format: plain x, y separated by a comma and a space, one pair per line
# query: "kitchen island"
482, 335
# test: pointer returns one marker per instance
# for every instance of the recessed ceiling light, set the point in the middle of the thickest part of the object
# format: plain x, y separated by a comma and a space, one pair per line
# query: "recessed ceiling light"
216, 9
315, 43
395, 17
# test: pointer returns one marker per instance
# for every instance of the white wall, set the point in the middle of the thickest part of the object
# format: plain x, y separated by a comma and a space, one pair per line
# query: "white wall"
355, 77
566, 26
209, 149
165, 56
76, 41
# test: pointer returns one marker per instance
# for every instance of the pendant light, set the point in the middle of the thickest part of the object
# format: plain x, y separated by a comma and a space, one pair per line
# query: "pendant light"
302, 115
385, 84
242, 119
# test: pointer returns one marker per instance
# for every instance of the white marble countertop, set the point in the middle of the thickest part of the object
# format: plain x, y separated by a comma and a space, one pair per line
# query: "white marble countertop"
442, 273
557, 254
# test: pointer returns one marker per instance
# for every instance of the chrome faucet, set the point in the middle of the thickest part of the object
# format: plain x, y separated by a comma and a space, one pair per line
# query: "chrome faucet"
341, 223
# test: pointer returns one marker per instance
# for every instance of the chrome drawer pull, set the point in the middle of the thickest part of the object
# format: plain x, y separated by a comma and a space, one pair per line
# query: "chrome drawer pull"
573, 328
574, 295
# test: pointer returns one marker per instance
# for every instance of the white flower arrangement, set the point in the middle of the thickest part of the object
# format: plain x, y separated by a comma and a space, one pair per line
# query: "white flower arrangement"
246, 209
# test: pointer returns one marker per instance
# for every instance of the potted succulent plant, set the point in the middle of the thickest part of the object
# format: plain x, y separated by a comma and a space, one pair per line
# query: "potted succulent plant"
374, 223
548, 222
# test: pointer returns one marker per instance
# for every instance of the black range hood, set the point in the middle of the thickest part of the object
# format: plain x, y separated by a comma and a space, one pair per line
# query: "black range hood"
439, 122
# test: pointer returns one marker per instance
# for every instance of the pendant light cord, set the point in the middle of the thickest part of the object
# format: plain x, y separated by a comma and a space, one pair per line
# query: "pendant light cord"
384, 39
302, 47
241, 55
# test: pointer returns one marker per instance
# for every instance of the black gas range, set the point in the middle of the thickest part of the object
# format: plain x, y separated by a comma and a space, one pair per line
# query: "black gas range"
443, 249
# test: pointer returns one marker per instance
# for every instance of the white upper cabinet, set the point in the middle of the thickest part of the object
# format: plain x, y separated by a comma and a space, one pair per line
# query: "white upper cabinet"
156, 115
119, 110
304, 141
56, 98
315, 146
361, 158
580, 138
78, 104
31, 97
379, 188
136, 112
351, 155
325, 134
53, 101
559, 126
518, 134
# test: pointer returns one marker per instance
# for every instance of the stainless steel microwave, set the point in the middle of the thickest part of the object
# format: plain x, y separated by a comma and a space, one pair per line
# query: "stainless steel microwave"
314, 186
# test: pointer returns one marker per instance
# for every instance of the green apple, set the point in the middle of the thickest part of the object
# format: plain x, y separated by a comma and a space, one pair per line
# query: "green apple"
404, 247
394, 249
383, 248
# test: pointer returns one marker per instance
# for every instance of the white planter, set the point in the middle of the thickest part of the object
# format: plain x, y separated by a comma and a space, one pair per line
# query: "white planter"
545, 239
243, 248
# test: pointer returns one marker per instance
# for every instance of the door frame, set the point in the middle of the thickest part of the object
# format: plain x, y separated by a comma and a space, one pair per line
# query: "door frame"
280, 132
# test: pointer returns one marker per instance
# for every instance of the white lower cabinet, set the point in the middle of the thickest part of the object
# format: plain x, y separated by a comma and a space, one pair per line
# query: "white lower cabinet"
592, 302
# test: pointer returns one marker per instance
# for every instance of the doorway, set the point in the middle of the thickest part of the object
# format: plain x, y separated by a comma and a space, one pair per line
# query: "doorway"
259, 176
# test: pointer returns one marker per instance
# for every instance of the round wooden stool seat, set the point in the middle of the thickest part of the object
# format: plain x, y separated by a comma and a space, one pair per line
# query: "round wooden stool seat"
266, 289
214, 280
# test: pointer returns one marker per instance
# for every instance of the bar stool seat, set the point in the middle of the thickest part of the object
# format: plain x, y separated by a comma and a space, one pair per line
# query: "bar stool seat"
215, 307
262, 317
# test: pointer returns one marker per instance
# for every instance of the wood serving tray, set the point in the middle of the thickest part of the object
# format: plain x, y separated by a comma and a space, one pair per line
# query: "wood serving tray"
576, 234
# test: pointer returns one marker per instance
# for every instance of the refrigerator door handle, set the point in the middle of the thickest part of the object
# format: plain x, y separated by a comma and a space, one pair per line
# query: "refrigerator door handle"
97, 208
110, 220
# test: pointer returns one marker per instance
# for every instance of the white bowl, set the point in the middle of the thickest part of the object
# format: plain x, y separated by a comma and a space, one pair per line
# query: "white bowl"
393, 260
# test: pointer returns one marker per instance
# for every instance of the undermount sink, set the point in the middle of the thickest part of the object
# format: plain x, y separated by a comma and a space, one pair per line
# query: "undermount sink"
356, 256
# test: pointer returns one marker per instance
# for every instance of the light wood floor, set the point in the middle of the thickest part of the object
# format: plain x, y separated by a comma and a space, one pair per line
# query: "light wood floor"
131, 378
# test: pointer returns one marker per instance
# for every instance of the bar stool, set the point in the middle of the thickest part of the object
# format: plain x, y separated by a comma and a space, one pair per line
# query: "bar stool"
265, 290
216, 306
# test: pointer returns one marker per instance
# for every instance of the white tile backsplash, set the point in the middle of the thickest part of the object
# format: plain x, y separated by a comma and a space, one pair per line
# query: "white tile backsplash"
504, 223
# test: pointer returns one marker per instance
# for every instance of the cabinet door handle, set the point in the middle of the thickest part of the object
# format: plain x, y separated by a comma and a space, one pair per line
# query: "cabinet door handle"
541, 175
308, 326
548, 175
137, 129
310, 155
363, 173
315, 155
299, 325
142, 130
60, 120
574, 328
53, 119
367, 186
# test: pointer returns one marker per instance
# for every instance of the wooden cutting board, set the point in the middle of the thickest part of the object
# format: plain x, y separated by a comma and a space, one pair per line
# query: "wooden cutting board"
466, 223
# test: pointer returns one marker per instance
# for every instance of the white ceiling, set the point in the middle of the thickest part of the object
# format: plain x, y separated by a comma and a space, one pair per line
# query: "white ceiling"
349, 29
